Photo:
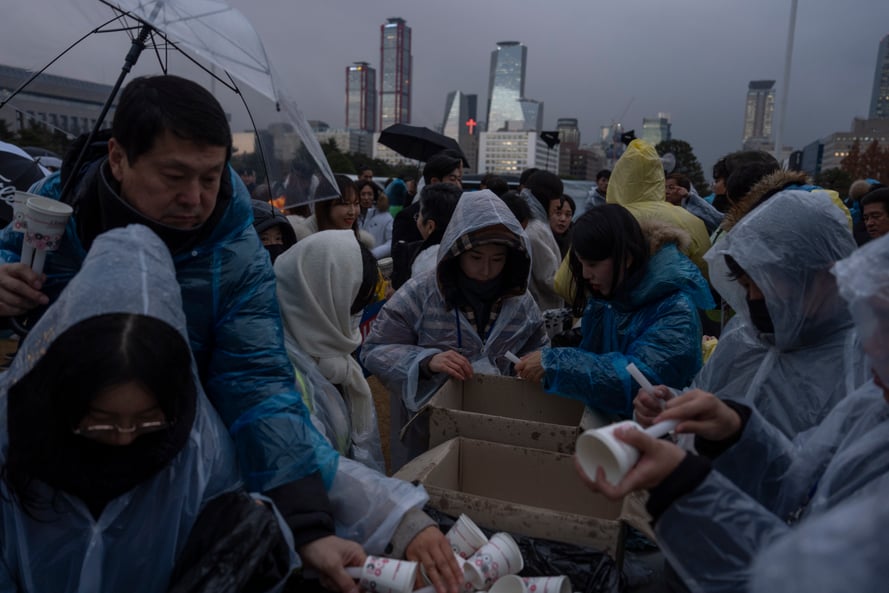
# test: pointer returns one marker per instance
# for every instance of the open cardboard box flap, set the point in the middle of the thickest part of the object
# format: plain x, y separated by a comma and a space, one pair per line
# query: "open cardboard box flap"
502, 409
525, 491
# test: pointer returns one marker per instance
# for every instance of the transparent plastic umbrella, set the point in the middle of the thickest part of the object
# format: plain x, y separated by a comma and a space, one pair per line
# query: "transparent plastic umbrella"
220, 40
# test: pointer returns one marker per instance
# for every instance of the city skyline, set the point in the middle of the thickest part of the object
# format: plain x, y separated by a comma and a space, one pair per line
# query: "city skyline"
596, 63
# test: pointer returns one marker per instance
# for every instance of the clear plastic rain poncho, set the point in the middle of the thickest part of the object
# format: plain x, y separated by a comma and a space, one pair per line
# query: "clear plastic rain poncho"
795, 376
134, 543
764, 483
234, 328
417, 323
318, 279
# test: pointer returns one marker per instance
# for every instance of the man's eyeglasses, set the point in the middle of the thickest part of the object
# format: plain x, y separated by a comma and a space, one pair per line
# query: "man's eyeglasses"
107, 429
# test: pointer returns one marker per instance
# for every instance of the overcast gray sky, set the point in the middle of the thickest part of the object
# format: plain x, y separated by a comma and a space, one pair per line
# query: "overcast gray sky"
595, 61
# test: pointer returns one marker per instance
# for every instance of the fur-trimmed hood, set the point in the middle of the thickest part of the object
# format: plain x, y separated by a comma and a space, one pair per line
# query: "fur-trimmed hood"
660, 234
764, 189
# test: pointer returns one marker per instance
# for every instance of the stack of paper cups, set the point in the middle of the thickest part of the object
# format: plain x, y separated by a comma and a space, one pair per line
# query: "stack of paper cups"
499, 557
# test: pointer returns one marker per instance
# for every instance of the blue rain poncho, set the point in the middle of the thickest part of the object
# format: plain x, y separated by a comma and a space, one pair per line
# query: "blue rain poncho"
765, 482
234, 328
134, 543
417, 323
795, 376
656, 326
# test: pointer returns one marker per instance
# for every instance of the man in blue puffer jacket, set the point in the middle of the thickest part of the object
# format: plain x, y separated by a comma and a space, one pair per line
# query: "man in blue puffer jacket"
167, 168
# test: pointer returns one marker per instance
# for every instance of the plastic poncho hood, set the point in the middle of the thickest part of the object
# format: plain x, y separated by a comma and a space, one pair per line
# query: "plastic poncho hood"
787, 247
135, 540
637, 184
478, 212
863, 280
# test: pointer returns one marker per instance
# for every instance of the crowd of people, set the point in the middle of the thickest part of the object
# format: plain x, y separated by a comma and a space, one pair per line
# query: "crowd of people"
193, 385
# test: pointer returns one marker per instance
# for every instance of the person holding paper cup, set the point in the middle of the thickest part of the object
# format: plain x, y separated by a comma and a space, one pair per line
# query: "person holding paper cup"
639, 296
165, 165
749, 485
793, 333
458, 321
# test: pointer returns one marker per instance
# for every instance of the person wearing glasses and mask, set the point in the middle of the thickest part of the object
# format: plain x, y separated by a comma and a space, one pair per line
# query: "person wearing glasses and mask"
110, 451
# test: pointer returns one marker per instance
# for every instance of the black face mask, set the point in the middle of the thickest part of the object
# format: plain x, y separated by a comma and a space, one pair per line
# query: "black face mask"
275, 251
759, 316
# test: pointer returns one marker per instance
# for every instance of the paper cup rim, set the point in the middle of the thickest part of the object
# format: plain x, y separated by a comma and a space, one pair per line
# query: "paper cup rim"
49, 206
473, 528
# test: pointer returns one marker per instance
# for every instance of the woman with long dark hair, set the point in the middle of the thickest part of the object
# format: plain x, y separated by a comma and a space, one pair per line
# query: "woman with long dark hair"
638, 295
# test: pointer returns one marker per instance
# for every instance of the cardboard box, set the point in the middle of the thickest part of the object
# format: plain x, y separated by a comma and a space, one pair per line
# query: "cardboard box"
504, 410
524, 491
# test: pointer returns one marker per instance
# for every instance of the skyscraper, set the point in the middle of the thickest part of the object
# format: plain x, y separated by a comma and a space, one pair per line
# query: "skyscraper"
879, 99
395, 73
506, 85
460, 123
361, 97
758, 112
656, 129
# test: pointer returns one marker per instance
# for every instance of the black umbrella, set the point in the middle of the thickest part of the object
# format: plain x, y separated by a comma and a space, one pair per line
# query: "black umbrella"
417, 142
18, 171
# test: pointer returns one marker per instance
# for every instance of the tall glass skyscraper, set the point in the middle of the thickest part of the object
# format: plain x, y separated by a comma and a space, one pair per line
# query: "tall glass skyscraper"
361, 97
506, 85
395, 73
759, 110
879, 99
460, 123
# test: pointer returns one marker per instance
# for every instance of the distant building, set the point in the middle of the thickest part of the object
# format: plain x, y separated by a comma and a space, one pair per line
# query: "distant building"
461, 123
811, 158
865, 131
569, 142
758, 113
395, 73
879, 99
510, 153
656, 129
348, 140
361, 97
506, 84
387, 155
62, 104
532, 114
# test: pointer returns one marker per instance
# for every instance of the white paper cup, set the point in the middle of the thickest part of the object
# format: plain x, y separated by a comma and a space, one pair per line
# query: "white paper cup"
465, 537
45, 227
600, 448
499, 557
387, 575
559, 584
509, 584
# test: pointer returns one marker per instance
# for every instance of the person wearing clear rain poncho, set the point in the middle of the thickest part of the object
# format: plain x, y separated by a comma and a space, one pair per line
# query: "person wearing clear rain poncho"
110, 449
458, 321
741, 498
792, 350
